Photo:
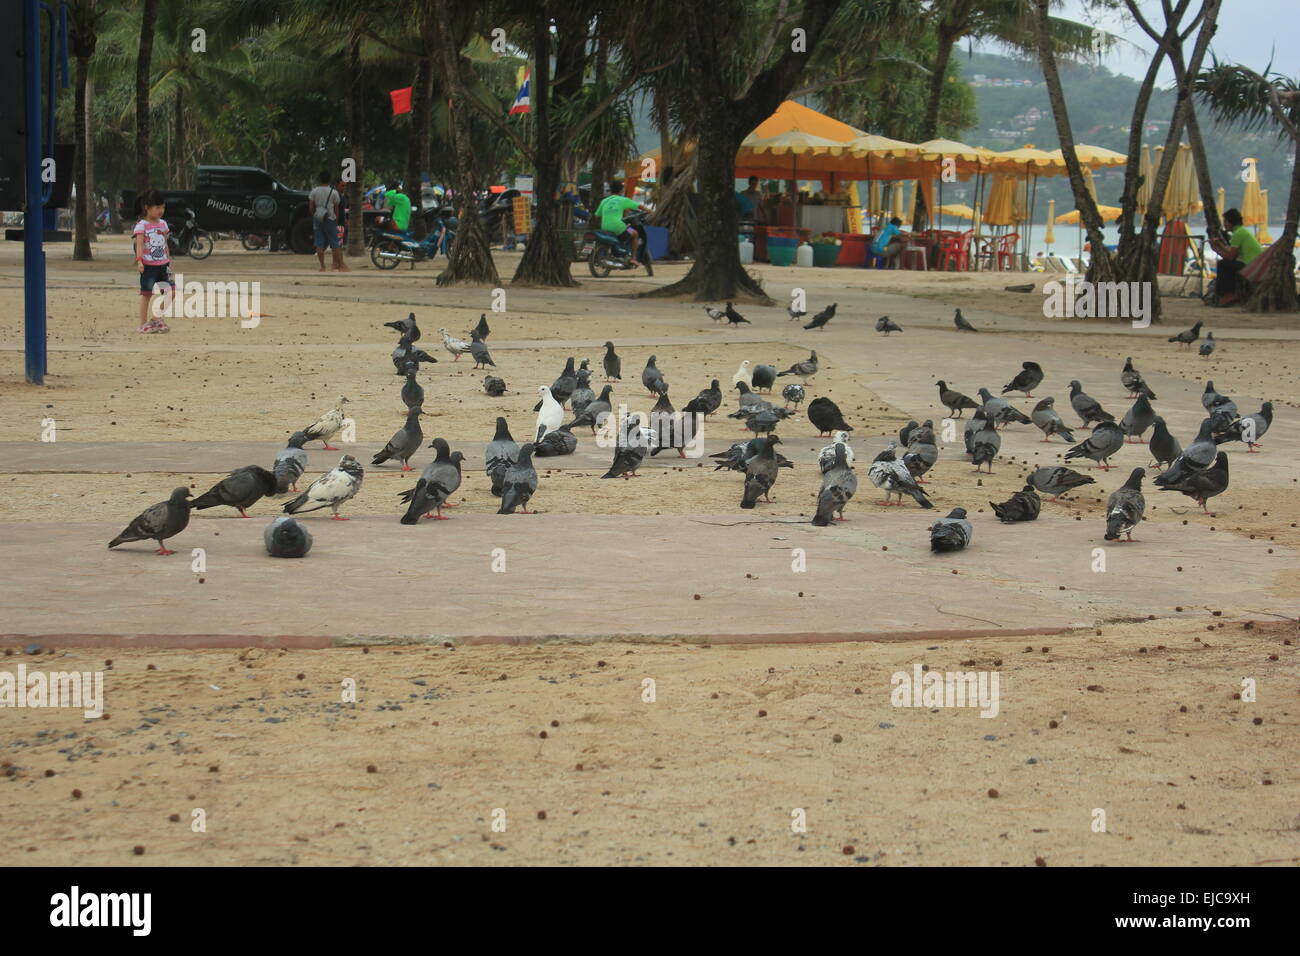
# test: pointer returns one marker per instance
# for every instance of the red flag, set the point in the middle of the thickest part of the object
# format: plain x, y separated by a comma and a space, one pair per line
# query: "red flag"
401, 100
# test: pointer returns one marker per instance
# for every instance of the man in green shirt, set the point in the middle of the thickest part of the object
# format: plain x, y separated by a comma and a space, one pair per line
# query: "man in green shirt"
610, 212
400, 204
1234, 255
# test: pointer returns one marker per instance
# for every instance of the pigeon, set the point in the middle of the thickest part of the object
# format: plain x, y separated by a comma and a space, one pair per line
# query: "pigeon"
412, 391
582, 395
1023, 505
562, 441
805, 369
953, 400
1187, 336
438, 482
482, 357
920, 458
330, 490
158, 522
734, 317
405, 441
760, 473
482, 328
241, 489
627, 459
584, 368
959, 320
763, 378
1026, 380
1249, 428
892, 477
795, 314
1000, 411
1056, 480
708, 401
1215, 403
1209, 345
612, 363
1138, 419
951, 533
763, 418
563, 386
985, 445
905, 433
839, 484
290, 463
455, 346
499, 455
1125, 506
550, 416
739, 455
825, 414
496, 387
1087, 407
1132, 379
519, 483
1106, 439
652, 378
748, 399
594, 412
742, 374
286, 538
1049, 421
1197, 456
328, 425
923, 434
826, 457
819, 320
793, 395
1204, 484
407, 352
667, 427
406, 327
886, 325
1164, 447
717, 315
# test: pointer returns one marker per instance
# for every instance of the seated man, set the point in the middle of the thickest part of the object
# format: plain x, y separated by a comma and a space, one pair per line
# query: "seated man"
400, 204
610, 216
890, 242
1234, 255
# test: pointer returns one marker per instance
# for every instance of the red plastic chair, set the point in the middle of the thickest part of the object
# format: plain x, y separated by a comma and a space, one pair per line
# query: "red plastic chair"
1006, 252
954, 250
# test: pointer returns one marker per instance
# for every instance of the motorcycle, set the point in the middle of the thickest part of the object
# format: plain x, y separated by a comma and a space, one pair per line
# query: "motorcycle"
606, 252
189, 239
389, 248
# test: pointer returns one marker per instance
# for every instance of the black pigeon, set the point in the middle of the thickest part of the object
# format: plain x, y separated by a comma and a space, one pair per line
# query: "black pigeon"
482, 327
959, 320
819, 320
406, 352
159, 522
1023, 505
1164, 447
406, 327
612, 363
1026, 380
951, 533
738, 456
499, 455
560, 441
285, 537
652, 378
734, 317
1125, 507
886, 325
1202, 485
1087, 407
708, 401
412, 391
519, 483
1187, 336
563, 386
760, 474
496, 387
241, 489
593, 412
1197, 456
1138, 419
825, 414
763, 378
954, 400
905, 433
439, 480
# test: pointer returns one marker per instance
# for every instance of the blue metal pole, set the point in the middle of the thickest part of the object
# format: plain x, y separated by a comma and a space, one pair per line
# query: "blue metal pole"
34, 217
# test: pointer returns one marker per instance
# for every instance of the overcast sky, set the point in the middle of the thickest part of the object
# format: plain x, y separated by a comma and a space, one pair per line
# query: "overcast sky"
1251, 32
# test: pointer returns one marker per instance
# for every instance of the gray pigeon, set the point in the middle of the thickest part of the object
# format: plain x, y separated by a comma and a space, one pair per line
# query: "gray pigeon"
1026, 380
763, 378
922, 434
804, 370
1209, 345
920, 458
627, 459
985, 445
286, 538
499, 455
1132, 379
1056, 480
1138, 419
1188, 336
562, 441
974, 425
1217, 404
330, 490
159, 522
892, 477
407, 352
1106, 439
1249, 428
482, 328
1000, 410
1164, 447
951, 533
905, 433
290, 463
885, 325
612, 363
1204, 484
519, 483
1087, 407
1197, 456
412, 391
593, 412
406, 327
482, 357
496, 387
652, 378
1023, 505
1049, 421
582, 396
438, 482
959, 320
839, 484
241, 489
954, 400
760, 474
405, 441
748, 399
1125, 507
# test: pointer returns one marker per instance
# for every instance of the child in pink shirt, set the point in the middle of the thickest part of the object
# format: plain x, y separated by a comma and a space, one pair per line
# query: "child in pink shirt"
152, 259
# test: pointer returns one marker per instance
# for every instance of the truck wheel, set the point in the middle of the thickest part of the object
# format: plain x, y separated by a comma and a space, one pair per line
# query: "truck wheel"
301, 238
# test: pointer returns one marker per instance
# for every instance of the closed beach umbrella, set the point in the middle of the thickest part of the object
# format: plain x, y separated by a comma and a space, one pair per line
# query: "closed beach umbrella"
1253, 212
1222, 204
1049, 238
1000, 208
1262, 233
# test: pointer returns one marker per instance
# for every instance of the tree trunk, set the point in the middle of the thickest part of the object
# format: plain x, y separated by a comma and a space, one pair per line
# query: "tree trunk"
356, 230
1276, 291
673, 211
143, 66
83, 226
419, 132
88, 140
178, 136
1137, 123
940, 69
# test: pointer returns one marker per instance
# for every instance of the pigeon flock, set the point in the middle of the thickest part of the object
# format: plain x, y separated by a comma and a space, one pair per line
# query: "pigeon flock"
570, 404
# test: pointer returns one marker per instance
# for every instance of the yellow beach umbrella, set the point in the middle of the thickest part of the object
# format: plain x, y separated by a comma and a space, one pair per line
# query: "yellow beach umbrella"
957, 210
1027, 158
1222, 205
977, 222
896, 201
1181, 192
1094, 157
873, 198
1253, 212
1000, 209
1049, 237
1072, 218
1262, 234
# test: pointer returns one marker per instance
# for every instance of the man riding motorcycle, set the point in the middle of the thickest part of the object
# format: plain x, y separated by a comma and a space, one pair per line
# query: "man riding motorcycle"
400, 204
610, 214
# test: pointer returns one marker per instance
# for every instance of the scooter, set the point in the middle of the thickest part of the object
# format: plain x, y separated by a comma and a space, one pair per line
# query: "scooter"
190, 239
389, 248
606, 252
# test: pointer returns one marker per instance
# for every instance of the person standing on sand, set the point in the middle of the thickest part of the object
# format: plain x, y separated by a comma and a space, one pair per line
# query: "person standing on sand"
323, 204
152, 259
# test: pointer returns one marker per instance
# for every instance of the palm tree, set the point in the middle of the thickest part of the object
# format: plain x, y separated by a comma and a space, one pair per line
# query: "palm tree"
84, 20
1255, 101
143, 65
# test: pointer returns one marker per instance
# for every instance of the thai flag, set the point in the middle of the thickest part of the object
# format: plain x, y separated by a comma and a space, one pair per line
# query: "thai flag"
521, 104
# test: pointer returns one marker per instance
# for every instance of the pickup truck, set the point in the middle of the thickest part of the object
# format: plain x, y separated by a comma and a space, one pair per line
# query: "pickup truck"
239, 199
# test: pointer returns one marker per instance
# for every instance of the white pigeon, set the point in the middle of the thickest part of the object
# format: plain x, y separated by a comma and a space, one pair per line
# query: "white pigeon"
717, 315
638, 435
826, 457
551, 415
328, 425
455, 346
742, 375
330, 490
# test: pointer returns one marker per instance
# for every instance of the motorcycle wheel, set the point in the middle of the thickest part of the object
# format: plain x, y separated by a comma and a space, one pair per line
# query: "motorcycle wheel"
253, 242
201, 245
178, 247
594, 264
381, 245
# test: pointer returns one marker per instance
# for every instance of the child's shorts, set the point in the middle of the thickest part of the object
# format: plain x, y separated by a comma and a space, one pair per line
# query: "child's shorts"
153, 275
